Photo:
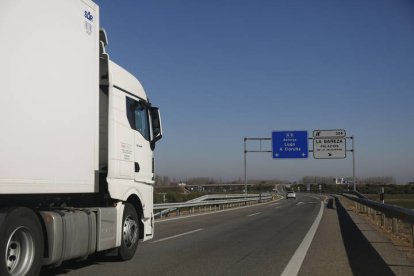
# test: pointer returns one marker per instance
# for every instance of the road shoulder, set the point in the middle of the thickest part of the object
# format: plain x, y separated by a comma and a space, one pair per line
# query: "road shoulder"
327, 252
396, 260
345, 244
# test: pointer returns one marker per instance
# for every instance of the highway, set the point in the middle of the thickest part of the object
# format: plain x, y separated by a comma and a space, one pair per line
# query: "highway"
255, 240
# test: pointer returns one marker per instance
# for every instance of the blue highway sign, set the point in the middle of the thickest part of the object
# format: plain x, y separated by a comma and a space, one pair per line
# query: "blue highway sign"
290, 144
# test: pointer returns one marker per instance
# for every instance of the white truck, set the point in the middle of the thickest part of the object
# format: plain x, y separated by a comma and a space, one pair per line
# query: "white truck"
77, 135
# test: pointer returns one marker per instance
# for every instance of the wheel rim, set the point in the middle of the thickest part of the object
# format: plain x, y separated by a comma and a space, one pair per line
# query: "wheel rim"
20, 251
130, 232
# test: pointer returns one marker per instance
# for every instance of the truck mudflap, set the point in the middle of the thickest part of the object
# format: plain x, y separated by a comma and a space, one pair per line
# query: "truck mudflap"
148, 227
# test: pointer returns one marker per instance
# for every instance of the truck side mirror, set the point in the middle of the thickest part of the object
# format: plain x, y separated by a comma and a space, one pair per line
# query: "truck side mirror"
103, 37
156, 125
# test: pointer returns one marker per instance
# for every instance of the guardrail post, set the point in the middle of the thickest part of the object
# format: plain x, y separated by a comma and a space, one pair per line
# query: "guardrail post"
178, 212
394, 225
412, 232
383, 220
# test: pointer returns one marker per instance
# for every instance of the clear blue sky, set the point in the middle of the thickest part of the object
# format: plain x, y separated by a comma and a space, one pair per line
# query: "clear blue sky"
221, 70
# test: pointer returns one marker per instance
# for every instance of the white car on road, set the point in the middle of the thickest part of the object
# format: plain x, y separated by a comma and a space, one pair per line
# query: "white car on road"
291, 194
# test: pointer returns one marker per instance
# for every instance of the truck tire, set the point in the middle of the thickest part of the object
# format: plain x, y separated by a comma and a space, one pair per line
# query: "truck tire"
21, 242
130, 233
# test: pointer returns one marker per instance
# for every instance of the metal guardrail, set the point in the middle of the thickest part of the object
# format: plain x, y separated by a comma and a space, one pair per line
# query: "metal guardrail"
396, 213
404, 214
218, 201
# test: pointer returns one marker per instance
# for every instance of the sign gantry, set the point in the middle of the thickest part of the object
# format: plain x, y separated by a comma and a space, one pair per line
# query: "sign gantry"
327, 144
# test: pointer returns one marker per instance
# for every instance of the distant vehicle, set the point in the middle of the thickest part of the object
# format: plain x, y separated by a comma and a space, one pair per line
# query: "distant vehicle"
291, 194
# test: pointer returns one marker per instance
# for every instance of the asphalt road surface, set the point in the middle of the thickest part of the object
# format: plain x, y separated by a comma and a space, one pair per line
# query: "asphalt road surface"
254, 240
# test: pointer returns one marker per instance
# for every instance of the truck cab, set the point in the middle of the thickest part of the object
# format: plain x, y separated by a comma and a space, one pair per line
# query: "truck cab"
133, 127
77, 142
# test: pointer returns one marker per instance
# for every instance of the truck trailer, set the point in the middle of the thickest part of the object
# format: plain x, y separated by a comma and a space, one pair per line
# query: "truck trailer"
77, 136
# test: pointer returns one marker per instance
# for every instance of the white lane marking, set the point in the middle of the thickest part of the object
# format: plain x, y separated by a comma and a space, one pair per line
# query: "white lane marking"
277, 207
176, 236
309, 202
296, 261
274, 203
254, 214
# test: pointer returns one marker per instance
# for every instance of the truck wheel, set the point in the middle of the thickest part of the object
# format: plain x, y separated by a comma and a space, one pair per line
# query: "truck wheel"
21, 242
130, 233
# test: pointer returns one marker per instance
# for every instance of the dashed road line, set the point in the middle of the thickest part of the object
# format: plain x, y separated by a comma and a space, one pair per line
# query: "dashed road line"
254, 214
177, 236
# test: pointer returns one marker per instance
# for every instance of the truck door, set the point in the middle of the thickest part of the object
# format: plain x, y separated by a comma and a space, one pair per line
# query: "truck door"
137, 113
